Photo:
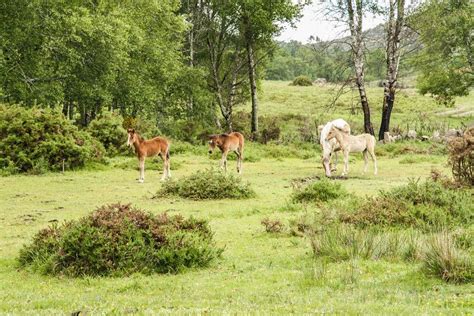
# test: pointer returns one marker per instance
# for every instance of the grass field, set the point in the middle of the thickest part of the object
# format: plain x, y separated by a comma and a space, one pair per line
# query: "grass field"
258, 273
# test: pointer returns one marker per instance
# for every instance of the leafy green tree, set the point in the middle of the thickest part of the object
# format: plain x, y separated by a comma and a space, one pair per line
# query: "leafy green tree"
446, 61
260, 21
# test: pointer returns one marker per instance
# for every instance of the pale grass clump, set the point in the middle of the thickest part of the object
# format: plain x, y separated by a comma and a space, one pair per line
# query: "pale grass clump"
443, 259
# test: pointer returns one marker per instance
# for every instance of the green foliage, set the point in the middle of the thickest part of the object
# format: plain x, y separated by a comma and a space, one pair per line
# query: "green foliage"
319, 191
119, 240
444, 260
302, 81
445, 61
107, 128
35, 140
426, 205
209, 184
89, 56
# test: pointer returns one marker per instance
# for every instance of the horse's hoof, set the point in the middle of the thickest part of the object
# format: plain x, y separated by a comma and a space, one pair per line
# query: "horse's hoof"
141, 181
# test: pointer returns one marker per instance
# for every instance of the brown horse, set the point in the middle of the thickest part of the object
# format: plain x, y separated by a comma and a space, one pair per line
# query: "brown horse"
157, 146
228, 142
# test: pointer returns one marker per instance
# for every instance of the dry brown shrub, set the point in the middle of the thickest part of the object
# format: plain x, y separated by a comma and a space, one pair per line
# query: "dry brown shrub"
461, 157
272, 225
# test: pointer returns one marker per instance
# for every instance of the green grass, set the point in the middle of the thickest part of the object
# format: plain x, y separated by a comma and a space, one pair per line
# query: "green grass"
411, 110
258, 272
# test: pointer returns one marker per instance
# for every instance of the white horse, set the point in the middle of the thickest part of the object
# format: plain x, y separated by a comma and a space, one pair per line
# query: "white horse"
364, 143
330, 146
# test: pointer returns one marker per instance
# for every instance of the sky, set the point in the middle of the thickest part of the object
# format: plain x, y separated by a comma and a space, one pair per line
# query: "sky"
313, 24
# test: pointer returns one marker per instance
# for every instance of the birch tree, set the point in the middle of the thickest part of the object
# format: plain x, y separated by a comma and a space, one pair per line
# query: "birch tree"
395, 23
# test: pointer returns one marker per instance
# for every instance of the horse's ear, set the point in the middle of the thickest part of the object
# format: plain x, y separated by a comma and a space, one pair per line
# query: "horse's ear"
131, 130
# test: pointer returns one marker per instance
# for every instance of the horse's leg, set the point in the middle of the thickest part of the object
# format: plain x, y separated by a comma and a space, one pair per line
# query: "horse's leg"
374, 159
239, 163
224, 160
165, 168
335, 161
141, 165
346, 163
366, 159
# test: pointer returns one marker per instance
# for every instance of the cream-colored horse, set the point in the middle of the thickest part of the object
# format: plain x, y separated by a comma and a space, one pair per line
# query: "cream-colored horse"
364, 143
331, 146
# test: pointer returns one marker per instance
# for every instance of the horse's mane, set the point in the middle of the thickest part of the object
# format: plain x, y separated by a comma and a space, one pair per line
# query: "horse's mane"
224, 135
140, 138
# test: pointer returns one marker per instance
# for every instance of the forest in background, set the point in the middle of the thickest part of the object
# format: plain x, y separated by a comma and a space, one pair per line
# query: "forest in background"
185, 65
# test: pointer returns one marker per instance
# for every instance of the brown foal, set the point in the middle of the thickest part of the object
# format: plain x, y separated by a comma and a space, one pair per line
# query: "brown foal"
228, 142
157, 146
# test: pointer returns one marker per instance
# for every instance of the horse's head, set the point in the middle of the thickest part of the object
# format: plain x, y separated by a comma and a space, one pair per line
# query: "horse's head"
132, 137
212, 142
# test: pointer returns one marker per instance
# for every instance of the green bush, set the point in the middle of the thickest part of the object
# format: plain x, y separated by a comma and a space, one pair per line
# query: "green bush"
444, 260
319, 191
108, 129
302, 81
37, 140
119, 240
425, 205
208, 184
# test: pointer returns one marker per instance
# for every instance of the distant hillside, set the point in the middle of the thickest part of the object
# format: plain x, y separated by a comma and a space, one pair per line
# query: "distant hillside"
330, 60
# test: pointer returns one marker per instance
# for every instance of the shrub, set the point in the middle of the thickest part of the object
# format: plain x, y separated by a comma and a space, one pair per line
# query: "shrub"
302, 81
36, 140
109, 131
461, 157
272, 225
444, 260
208, 184
119, 240
425, 205
319, 191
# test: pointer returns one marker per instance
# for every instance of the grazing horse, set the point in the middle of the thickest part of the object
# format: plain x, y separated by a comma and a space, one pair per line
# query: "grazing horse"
228, 142
157, 146
364, 143
331, 146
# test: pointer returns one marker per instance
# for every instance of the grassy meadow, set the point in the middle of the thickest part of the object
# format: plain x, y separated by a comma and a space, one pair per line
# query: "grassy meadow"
259, 272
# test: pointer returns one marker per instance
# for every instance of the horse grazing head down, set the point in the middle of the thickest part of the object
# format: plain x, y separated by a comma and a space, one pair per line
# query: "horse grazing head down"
132, 137
332, 133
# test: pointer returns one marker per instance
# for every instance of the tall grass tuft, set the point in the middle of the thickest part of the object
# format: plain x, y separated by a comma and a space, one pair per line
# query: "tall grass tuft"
443, 259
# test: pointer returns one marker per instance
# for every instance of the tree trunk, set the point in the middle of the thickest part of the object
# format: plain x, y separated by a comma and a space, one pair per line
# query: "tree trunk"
253, 89
368, 128
355, 27
394, 27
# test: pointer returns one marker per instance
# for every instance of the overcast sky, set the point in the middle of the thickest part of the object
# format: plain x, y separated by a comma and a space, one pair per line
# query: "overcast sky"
313, 24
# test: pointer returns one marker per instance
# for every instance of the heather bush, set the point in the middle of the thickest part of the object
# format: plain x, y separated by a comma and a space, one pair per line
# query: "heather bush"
319, 191
108, 129
426, 205
37, 140
119, 240
302, 81
207, 184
